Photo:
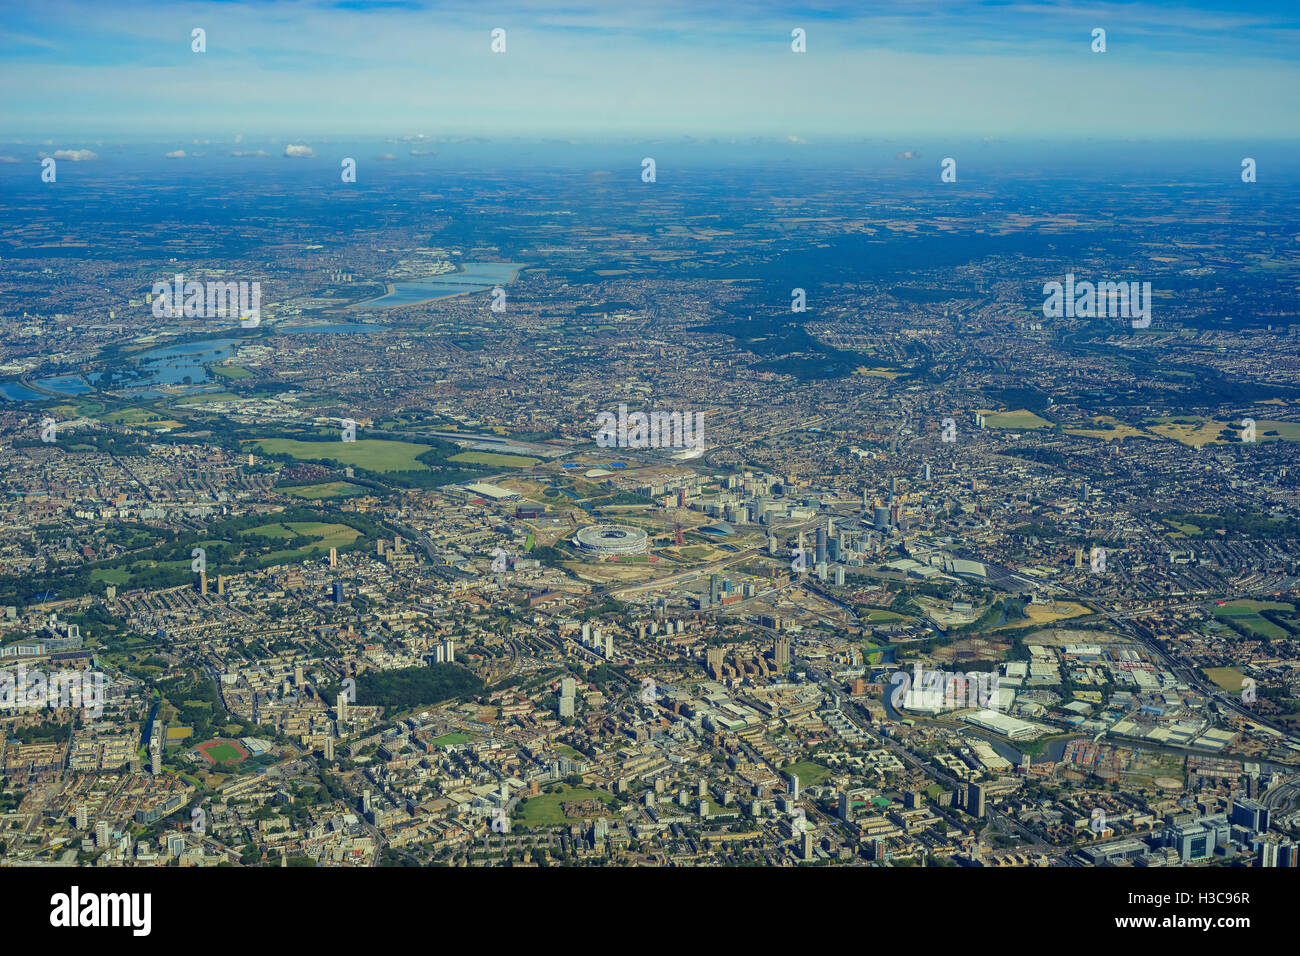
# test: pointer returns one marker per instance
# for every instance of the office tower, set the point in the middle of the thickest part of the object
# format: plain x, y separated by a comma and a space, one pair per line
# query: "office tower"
586, 634
102, 834
155, 761
329, 748
398, 545
771, 544
448, 649
927, 471
702, 788
839, 575
792, 787
821, 545
609, 646
1249, 814
845, 806
334, 557
221, 584
341, 706
203, 582
715, 585
833, 549
821, 571
379, 547
807, 846
975, 800
365, 802
83, 816
880, 518
338, 592
893, 487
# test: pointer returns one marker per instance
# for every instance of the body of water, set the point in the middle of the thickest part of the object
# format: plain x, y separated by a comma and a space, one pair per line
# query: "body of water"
171, 365
16, 392
472, 277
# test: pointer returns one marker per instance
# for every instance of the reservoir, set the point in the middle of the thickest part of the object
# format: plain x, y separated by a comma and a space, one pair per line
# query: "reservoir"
473, 277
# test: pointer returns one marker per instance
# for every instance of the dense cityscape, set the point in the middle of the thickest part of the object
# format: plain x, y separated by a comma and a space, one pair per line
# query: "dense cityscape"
424, 500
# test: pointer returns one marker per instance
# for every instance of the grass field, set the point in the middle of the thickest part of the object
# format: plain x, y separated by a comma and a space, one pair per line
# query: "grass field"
230, 371
335, 536
491, 458
1197, 432
374, 454
810, 774
326, 489
1044, 614
877, 616
1193, 431
1229, 678
223, 751
1118, 430
546, 810
1247, 613
1015, 420
449, 739
111, 575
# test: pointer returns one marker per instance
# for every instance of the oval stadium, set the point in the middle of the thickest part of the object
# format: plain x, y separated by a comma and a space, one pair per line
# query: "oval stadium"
606, 540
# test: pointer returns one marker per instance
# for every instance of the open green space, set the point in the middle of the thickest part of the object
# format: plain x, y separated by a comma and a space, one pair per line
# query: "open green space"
810, 774
492, 458
1018, 419
547, 809
322, 490
374, 454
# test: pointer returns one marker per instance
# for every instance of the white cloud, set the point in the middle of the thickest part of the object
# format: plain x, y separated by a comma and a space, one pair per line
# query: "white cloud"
175, 154
75, 155
299, 151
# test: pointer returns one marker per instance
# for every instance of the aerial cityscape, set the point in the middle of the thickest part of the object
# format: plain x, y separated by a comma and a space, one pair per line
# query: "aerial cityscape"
410, 496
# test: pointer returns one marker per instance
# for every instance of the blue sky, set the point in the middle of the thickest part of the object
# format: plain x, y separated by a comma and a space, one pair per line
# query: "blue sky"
660, 68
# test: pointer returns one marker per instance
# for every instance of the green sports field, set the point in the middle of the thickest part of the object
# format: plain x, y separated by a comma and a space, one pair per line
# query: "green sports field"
374, 454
